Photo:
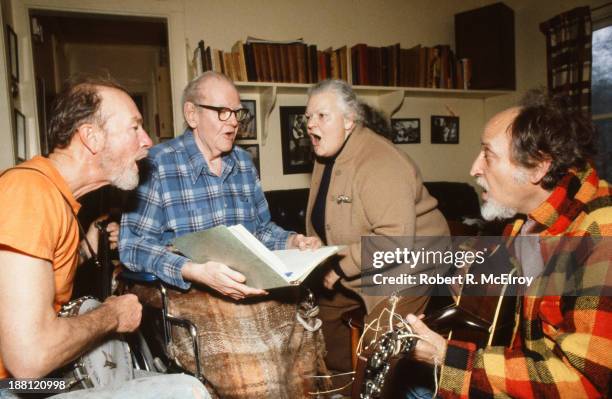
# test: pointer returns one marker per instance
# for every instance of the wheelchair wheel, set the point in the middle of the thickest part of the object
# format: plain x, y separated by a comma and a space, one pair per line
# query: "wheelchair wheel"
141, 355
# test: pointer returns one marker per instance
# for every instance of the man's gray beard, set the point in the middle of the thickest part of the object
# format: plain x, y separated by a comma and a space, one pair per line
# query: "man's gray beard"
127, 180
492, 210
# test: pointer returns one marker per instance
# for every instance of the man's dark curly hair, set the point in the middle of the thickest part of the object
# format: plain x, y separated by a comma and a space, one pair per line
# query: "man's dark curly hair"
546, 128
77, 103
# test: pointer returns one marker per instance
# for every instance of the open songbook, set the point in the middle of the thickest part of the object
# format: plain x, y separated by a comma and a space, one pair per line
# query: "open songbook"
236, 247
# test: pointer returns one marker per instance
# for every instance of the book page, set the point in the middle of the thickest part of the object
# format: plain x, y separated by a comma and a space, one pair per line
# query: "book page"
300, 263
259, 249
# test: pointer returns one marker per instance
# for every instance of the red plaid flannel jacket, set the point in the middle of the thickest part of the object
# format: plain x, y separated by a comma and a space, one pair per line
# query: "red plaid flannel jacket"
562, 347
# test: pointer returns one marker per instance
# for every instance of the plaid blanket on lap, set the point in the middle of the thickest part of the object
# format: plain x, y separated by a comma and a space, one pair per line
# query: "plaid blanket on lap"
248, 349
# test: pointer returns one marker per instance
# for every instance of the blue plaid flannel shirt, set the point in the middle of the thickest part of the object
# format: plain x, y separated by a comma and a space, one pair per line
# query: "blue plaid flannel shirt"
178, 194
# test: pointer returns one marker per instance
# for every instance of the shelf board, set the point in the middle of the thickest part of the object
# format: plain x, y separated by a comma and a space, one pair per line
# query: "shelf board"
284, 88
300, 88
391, 98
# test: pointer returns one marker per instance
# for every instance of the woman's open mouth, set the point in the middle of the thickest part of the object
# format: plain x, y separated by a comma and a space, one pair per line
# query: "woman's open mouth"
314, 139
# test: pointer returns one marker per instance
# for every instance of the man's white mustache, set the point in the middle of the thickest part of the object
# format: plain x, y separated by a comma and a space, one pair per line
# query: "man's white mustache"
482, 183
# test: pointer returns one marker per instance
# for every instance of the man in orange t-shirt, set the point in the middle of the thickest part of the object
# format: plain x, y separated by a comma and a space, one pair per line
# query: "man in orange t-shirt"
94, 145
97, 137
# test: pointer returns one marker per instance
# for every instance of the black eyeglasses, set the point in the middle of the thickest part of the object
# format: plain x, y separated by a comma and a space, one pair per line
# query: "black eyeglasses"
224, 113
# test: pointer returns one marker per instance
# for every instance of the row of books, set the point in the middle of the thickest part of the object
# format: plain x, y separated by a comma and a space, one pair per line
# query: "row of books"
419, 66
270, 61
294, 61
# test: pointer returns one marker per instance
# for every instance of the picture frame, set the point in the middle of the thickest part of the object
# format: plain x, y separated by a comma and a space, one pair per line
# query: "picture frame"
444, 129
298, 156
20, 138
13, 52
253, 150
248, 130
406, 130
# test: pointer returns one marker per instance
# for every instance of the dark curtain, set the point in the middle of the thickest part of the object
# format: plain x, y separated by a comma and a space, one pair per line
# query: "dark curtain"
568, 55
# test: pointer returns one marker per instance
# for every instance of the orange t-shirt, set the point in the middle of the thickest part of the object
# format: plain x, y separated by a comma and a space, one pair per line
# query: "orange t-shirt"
36, 220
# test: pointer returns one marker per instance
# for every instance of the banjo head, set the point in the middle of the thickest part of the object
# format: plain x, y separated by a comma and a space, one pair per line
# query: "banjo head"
108, 364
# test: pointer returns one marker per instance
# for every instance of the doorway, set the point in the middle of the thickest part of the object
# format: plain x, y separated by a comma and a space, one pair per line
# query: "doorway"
133, 50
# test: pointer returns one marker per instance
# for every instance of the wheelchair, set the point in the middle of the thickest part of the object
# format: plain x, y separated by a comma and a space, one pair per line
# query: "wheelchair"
168, 322
149, 345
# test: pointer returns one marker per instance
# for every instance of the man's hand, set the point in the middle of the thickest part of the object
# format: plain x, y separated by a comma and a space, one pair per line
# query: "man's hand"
93, 236
221, 278
433, 348
113, 234
302, 242
127, 310
330, 279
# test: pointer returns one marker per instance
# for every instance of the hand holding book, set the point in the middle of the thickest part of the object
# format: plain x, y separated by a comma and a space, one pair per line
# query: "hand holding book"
221, 278
302, 242
237, 248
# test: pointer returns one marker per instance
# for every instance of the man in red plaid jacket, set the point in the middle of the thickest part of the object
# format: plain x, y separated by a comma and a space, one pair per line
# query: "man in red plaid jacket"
534, 161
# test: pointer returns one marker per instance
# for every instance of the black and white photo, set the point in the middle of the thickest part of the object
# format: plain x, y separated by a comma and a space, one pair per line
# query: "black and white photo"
248, 129
13, 49
297, 149
19, 138
444, 129
406, 131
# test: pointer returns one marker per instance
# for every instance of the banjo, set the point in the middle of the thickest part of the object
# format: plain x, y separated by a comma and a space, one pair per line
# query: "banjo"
108, 364
484, 317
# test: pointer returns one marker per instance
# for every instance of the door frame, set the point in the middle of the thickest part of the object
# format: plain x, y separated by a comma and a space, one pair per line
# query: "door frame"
171, 12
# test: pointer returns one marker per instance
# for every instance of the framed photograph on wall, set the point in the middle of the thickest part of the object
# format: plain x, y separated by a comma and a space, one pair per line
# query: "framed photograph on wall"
253, 150
444, 129
19, 137
298, 156
13, 49
406, 131
248, 130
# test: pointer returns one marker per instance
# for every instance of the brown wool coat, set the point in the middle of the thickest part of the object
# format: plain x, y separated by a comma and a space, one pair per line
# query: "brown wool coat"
388, 198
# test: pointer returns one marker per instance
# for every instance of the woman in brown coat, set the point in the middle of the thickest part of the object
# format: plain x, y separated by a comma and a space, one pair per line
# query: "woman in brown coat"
361, 186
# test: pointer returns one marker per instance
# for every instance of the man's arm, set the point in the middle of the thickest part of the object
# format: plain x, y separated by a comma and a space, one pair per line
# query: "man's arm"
577, 357
142, 247
565, 341
33, 340
141, 241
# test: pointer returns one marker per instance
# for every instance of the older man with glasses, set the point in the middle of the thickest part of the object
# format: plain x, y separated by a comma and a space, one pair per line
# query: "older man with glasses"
197, 181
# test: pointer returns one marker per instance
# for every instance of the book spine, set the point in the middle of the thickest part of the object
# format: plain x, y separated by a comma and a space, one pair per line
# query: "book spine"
314, 62
201, 53
278, 65
293, 67
208, 59
343, 58
355, 65
250, 62
301, 63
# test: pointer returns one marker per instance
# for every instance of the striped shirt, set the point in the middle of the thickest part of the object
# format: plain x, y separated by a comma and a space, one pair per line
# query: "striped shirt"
179, 194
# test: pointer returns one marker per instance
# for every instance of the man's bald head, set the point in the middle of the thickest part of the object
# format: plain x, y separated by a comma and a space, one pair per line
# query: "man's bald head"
195, 91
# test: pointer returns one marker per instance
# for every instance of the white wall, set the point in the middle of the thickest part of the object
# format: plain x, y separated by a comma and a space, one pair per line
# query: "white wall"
336, 23
378, 23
